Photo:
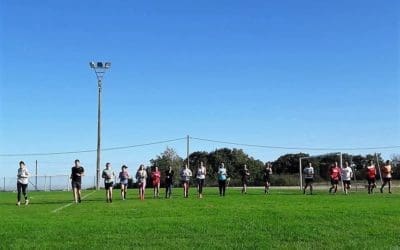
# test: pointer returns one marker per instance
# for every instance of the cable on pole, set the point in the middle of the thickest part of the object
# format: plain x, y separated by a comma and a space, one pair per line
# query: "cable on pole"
295, 148
93, 150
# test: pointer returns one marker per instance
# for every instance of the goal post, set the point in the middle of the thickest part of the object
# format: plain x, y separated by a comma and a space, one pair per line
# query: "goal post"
317, 156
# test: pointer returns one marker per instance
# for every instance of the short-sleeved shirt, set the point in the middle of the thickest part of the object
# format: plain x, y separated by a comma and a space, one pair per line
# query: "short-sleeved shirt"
222, 174
22, 176
141, 176
186, 174
123, 176
308, 172
155, 176
346, 173
108, 175
371, 172
77, 170
334, 173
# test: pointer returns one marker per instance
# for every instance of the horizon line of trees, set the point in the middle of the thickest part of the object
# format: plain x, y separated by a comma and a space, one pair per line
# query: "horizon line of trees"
285, 165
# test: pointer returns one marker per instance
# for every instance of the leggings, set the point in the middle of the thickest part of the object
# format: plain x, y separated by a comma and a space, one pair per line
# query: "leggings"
168, 190
200, 182
22, 188
222, 187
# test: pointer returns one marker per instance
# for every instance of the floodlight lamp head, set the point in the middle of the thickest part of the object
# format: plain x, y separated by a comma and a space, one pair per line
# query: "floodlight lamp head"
107, 65
99, 65
92, 65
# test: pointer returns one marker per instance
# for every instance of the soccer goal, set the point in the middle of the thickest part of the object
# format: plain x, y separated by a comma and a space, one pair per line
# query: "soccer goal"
301, 159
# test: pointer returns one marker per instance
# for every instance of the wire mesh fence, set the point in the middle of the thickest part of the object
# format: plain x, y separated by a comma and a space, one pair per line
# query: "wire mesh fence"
47, 183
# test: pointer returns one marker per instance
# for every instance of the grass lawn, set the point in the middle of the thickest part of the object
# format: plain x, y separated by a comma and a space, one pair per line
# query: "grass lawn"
285, 219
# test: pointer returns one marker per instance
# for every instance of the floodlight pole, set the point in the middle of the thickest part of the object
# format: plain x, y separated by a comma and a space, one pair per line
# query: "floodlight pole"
100, 69
188, 150
98, 135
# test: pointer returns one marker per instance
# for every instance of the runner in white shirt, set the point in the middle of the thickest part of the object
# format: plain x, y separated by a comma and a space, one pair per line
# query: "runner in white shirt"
387, 176
141, 177
22, 183
201, 176
347, 174
186, 173
308, 177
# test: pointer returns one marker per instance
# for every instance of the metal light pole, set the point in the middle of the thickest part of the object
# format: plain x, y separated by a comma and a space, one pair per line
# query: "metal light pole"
100, 69
187, 150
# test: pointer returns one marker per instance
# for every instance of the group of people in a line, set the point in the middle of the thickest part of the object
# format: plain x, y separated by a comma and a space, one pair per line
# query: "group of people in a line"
336, 174
345, 174
185, 176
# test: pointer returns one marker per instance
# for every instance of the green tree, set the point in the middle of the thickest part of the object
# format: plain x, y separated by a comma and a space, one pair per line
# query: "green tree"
168, 158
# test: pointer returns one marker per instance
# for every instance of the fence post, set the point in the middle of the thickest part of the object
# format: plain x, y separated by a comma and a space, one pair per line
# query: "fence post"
67, 183
36, 177
45, 180
50, 183
4, 183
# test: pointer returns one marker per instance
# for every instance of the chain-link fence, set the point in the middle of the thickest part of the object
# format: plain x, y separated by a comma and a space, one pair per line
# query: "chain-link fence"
47, 183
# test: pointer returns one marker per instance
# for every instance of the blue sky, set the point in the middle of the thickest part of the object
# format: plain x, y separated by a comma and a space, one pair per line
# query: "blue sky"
285, 73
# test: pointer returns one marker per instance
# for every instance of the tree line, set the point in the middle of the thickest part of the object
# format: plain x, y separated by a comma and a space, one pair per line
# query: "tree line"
285, 168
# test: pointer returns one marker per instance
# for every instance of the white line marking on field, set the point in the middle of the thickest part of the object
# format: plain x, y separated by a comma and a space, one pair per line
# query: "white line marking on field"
70, 204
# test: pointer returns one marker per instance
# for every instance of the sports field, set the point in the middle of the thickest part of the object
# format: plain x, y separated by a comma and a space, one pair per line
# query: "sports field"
285, 219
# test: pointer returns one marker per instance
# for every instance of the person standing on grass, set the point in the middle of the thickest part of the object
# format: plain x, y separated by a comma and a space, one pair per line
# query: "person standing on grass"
186, 174
169, 182
155, 177
371, 177
201, 176
347, 174
77, 171
123, 180
108, 175
334, 174
22, 183
308, 177
245, 178
267, 177
141, 177
222, 176
387, 176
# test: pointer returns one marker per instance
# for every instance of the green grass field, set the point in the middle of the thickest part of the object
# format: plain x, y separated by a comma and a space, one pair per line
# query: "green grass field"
285, 219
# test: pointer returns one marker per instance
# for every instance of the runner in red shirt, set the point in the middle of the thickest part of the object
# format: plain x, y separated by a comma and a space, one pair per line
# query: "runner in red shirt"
155, 177
334, 174
371, 177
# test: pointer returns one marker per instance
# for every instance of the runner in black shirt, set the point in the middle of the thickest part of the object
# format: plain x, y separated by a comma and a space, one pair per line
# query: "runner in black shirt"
245, 175
169, 181
267, 175
77, 172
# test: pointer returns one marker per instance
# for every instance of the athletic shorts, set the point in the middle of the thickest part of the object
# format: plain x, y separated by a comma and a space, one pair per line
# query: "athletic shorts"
267, 179
334, 182
76, 184
185, 181
108, 185
371, 181
309, 180
387, 179
347, 182
244, 181
155, 183
124, 182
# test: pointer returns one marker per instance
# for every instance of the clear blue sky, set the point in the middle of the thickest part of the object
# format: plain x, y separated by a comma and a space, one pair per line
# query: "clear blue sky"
285, 73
